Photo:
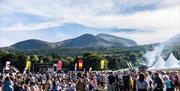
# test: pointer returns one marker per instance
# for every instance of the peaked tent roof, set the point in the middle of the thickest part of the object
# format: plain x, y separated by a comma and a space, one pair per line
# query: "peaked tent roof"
160, 63
171, 61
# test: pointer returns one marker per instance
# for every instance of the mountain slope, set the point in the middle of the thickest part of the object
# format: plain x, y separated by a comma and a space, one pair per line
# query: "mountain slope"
83, 41
32, 44
117, 40
172, 45
86, 40
173, 41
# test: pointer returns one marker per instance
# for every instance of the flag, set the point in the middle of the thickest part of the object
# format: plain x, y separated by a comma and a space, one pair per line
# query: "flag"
28, 65
102, 64
128, 65
7, 65
90, 69
75, 67
59, 65
80, 64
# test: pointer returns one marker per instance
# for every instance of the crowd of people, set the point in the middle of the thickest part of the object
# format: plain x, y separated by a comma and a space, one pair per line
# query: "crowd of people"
91, 81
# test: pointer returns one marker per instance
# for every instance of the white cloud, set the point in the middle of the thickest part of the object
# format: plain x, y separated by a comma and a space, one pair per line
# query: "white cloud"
160, 23
30, 27
88, 13
163, 23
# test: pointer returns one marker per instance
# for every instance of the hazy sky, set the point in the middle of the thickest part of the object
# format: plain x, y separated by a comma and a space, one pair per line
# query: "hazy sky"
145, 21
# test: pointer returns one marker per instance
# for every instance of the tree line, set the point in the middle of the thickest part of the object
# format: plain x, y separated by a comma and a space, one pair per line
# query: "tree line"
115, 58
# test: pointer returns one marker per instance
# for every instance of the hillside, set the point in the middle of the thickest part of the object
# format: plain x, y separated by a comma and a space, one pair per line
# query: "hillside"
117, 40
32, 44
86, 40
172, 45
83, 41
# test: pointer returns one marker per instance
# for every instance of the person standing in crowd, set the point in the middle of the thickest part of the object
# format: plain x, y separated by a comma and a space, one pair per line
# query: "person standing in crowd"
25, 86
158, 82
102, 80
178, 87
34, 86
91, 86
141, 83
134, 79
126, 81
169, 84
111, 82
98, 79
176, 83
7, 84
95, 84
1, 81
149, 80
86, 82
80, 84
49, 85
121, 85
117, 82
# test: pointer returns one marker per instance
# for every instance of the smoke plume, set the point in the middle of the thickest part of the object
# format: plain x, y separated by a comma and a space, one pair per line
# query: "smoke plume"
153, 56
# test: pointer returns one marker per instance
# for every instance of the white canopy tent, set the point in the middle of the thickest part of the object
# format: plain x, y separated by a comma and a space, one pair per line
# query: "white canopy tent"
171, 61
170, 64
159, 64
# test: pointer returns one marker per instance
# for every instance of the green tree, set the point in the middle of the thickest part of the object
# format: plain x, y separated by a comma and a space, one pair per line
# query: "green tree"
93, 59
35, 59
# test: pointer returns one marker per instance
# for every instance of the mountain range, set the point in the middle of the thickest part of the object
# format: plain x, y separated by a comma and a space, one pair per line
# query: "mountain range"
83, 41
89, 40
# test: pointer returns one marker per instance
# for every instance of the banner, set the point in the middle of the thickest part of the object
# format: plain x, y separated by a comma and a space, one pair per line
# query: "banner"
102, 64
28, 65
7, 65
80, 64
59, 65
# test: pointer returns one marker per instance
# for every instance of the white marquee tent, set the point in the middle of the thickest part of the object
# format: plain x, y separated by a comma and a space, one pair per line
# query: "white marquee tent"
171, 61
159, 64
170, 64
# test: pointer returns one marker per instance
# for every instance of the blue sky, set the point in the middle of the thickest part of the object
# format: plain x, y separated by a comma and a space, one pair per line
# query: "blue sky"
145, 21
